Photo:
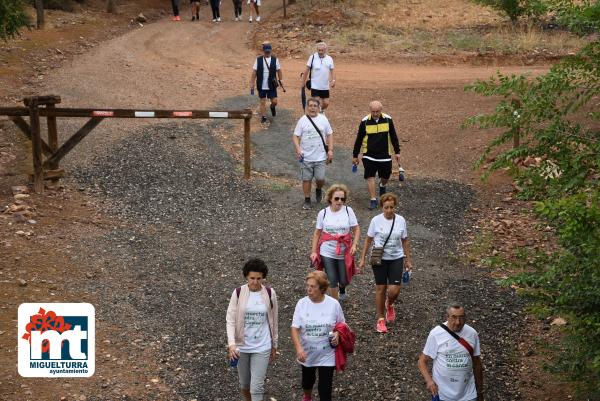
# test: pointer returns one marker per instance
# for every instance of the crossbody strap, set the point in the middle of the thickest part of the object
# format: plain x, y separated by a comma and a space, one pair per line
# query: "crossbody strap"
458, 338
318, 131
390, 234
312, 59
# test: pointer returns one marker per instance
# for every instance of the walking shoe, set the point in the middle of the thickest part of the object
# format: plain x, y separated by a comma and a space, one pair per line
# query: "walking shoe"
273, 110
236, 19
306, 205
258, 18
390, 312
263, 120
214, 20
318, 195
219, 19
193, 18
306, 398
382, 190
381, 327
177, 18
197, 17
373, 204
343, 297
250, 19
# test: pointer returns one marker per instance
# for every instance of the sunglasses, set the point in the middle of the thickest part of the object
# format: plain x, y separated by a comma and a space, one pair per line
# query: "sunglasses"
337, 198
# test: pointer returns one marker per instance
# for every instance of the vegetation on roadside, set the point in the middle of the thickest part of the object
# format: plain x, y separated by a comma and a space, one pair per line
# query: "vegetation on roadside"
556, 120
12, 18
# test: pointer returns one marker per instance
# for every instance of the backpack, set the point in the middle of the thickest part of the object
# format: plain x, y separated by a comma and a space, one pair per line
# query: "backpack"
238, 290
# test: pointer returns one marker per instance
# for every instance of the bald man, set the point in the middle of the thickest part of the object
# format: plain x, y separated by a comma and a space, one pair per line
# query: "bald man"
375, 141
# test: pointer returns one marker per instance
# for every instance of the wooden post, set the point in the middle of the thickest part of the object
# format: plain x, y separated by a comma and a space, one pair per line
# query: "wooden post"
39, 8
36, 148
52, 135
247, 161
516, 105
284, 10
111, 7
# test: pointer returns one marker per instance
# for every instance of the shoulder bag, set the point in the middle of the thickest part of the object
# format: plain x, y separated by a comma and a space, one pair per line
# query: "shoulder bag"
377, 251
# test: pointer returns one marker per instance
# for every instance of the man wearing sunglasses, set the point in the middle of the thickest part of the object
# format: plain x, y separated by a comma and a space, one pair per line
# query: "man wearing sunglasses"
376, 140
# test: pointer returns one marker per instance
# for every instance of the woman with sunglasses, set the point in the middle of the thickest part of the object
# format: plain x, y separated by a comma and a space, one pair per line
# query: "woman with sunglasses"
335, 240
388, 230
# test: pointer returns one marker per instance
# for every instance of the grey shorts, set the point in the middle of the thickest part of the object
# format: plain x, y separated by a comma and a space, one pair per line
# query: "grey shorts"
310, 170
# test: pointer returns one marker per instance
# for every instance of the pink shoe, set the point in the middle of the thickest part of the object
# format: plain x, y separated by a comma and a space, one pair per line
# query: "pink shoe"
390, 313
177, 18
381, 327
307, 398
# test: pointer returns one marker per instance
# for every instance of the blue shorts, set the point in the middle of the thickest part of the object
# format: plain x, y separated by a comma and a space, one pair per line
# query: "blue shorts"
270, 93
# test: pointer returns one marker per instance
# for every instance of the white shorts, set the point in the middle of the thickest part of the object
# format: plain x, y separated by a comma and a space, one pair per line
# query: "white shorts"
254, 1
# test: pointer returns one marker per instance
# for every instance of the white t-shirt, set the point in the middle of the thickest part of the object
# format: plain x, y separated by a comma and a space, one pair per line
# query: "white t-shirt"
310, 140
335, 223
315, 321
257, 337
379, 229
266, 63
452, 364
320, 71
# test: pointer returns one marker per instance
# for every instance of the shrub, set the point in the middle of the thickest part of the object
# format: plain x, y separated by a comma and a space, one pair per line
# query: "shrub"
514, 9
555, 118
12, 17
581, 18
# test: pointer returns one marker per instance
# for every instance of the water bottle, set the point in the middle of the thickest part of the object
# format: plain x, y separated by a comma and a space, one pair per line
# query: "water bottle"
435, 397
405, 278
401, 174
354, 168
234, 362
301, 158
252, 92
331, 339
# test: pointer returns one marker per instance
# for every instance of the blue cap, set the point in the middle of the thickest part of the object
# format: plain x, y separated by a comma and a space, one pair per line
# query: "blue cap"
267, 47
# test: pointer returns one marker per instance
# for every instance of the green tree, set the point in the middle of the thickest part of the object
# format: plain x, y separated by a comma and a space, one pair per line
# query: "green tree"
556, 120
514, 9
12, 17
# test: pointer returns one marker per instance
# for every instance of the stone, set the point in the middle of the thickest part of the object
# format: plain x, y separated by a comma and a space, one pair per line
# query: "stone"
20, 189
141, 18
559, 321
22, 283
18, 218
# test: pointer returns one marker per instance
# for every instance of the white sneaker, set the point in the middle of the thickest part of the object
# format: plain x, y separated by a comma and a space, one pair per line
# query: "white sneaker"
219, 19
214, 20
250, 19
258, 19
236, 19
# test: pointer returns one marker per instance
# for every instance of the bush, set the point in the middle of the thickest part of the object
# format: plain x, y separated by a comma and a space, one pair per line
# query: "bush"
514, 9
12, 17
581, 18
555, 117
64, 5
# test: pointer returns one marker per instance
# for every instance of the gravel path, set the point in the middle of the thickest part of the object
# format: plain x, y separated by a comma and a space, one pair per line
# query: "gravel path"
188, 222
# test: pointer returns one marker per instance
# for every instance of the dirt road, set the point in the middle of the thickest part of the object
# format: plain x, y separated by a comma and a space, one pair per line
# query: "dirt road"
163, 221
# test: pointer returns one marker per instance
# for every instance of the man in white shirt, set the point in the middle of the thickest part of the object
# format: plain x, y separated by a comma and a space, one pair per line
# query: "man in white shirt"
266, 73
322, 76
454, 350
313, 141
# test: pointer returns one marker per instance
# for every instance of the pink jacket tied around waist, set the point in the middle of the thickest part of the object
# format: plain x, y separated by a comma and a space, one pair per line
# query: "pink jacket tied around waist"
345, 239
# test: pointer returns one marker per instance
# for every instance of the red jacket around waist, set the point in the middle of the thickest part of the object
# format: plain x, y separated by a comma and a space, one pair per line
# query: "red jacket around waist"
346, 240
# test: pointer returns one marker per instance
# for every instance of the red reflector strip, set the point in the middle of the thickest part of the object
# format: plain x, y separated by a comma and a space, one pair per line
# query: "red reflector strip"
182, 114
103, 113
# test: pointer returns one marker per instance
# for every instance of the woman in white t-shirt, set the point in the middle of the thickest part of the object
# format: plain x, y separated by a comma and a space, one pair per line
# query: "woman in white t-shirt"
388, 230
252, 331
315, 316
335, 240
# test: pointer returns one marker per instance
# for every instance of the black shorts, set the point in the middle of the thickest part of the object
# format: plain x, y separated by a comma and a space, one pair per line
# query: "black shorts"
389, 272
383, 169
323, 94
267, 93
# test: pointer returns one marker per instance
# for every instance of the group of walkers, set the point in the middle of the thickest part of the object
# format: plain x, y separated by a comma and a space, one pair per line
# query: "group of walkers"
215, 6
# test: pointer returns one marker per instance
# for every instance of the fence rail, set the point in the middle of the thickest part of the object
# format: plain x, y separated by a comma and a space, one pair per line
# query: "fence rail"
49, 168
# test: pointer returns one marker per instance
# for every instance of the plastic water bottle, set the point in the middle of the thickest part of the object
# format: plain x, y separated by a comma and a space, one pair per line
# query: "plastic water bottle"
252, 92
401, 174
301, 158
354, 168
234, 362
435, 397
405, 278
331, 339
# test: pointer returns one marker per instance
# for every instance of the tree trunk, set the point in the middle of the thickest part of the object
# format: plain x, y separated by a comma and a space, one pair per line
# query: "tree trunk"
39, 8
111, 6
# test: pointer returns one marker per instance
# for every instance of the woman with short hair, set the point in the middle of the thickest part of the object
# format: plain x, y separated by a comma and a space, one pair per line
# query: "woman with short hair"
252, 331
335, 240
388, 230
315, 316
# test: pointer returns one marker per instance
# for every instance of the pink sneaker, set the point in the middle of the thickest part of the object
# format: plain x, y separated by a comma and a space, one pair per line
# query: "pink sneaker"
390, 313
307, 398
381, 327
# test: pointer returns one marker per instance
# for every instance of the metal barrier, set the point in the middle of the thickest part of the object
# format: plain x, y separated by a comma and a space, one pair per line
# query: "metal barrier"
49, 168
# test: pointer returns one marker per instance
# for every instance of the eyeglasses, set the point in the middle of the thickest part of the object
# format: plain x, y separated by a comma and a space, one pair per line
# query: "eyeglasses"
337, 198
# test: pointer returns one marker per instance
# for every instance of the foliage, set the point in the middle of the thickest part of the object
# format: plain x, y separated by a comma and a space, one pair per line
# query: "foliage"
580, 17
12, 17
514, 9
556, 120
64, 5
